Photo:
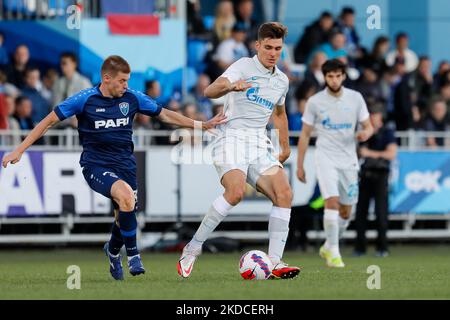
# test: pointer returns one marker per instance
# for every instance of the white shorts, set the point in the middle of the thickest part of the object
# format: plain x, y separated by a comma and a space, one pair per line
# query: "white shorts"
335, 182
252, 155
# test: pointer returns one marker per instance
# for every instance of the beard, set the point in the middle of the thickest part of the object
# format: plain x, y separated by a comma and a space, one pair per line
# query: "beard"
333, 90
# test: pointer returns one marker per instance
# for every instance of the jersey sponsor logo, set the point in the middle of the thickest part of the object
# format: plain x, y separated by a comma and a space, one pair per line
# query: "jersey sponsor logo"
100, 110
110, 123
327, 124
124, 108
252, 95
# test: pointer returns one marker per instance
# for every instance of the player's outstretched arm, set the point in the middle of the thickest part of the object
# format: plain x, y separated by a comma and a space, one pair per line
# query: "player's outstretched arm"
34, 135
171, 117
303, 144
222, 86
280, 122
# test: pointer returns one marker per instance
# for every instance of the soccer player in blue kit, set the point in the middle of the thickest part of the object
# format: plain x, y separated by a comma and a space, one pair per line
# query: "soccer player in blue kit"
105, 115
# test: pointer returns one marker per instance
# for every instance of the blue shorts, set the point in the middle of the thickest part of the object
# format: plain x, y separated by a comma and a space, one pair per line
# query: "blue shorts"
101, 179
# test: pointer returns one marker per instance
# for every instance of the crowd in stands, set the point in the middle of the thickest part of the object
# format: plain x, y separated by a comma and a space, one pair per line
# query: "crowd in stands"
390, 74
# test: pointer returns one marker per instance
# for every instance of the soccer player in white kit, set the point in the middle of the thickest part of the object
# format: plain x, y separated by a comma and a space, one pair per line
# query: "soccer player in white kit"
254, 89
335, 113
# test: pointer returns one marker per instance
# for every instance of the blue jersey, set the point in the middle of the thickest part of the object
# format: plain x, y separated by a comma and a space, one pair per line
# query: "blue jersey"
105, 125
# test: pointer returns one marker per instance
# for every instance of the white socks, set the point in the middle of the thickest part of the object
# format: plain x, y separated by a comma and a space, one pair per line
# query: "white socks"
331, 227
215, 215
278, 232
343, 224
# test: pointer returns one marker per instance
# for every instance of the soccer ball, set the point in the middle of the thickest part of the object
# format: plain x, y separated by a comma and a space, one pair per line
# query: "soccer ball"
255, 265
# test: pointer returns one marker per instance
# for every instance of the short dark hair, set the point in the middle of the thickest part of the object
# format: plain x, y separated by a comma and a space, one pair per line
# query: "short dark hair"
326, 14
272, 30
72, 56
31, 69
20, 99
347, 10
150, 84
400, 35
114, 64
333, 65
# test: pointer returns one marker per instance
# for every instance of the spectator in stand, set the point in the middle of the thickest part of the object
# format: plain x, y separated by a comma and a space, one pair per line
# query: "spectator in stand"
6, 87
303, 92
402, 51
369, 86
313, 74
195, 26
153, 89
224, 21
22, 114
4, 58
196, 96
444, 94
244, 15
71, 80
190, 110
376, 59
40, 106
436, 121
3, 112
422, 82
346, 24
48, 82
406, 115
15, 72
232, 49
314, 35
13, 124
334, 49
439, 76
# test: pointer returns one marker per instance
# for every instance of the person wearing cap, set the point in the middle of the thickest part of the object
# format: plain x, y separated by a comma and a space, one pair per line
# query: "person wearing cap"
376, 155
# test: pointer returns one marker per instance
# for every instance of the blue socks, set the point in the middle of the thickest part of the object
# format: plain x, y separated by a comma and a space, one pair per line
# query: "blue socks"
128, 226
116, 241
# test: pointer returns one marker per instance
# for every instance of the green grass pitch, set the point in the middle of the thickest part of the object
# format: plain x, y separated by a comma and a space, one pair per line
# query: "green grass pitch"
411, 272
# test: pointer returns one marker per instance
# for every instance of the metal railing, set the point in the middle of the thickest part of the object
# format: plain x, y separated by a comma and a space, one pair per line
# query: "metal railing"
67, 139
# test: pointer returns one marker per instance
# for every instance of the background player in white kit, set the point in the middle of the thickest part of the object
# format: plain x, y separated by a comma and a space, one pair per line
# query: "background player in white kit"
335, 113
254, 88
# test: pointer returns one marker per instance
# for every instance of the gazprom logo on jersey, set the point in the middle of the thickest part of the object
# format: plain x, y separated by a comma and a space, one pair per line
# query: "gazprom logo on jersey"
335, 126
252, 95
124, 108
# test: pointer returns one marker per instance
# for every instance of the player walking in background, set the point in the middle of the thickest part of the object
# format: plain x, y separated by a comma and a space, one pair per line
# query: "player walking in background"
335, 113
254, 89
105, 115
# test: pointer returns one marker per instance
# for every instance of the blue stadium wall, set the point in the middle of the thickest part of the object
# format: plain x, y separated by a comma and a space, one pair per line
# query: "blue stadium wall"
161, 57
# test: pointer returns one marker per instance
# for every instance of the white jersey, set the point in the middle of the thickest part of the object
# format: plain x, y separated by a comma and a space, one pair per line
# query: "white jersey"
251, 110
335, 120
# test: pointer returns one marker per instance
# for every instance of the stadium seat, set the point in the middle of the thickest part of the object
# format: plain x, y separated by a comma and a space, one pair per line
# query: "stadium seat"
208, 21
191, 78
197, 50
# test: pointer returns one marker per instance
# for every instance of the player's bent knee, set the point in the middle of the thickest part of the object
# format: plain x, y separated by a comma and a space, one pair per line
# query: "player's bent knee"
332, 203
283, 197
123, 195
345, 212
235, 195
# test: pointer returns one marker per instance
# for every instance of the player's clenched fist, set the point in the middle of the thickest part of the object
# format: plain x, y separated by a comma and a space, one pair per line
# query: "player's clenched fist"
363, 135
240, 85
12, 157
301, 174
